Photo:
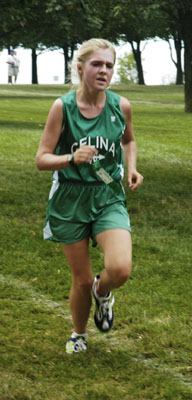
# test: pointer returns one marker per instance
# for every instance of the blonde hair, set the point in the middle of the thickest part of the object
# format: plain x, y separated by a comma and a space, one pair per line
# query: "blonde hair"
92, 45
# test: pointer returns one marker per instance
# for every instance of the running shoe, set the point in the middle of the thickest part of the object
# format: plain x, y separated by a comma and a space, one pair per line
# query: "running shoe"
76, 343
103, 316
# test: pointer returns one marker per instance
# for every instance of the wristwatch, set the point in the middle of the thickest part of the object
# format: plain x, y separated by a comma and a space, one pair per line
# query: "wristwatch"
70, 159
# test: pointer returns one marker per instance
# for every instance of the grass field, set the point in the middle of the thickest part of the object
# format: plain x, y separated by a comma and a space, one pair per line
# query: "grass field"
148, 354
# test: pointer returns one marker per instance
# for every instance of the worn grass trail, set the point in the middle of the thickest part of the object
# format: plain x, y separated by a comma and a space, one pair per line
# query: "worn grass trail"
148, 353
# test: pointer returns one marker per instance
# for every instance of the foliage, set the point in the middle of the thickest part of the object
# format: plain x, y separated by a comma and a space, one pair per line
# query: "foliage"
136, 23
147, 355
127, 70
66, 23
10, 19
179, 18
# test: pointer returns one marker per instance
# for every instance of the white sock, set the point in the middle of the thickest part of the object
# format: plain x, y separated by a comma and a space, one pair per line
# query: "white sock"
75, 334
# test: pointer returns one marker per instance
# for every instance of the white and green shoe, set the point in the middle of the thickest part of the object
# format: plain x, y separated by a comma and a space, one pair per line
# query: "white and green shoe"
76, 343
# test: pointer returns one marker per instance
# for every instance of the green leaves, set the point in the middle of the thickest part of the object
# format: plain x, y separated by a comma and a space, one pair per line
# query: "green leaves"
127, 70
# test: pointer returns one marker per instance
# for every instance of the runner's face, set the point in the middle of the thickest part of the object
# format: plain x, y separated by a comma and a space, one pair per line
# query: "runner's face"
98, 69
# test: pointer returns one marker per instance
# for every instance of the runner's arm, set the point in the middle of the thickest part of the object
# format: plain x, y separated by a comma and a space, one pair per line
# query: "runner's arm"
134, 178
45, 159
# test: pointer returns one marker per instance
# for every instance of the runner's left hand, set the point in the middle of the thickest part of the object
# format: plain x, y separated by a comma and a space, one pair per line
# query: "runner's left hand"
135, 179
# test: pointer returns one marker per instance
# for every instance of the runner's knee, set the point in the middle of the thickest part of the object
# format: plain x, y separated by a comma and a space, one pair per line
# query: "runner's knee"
83, 283
120, 272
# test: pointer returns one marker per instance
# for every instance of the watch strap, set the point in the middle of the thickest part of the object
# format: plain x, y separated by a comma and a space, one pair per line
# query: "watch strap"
70, 159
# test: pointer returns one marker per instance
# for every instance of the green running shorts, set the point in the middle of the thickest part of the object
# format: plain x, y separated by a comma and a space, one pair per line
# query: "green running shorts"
76, 211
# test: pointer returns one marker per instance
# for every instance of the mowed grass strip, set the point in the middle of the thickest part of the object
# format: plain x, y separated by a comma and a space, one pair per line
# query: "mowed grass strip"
148, 353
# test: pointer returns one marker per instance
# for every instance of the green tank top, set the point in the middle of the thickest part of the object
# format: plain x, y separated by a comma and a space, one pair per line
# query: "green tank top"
104, 132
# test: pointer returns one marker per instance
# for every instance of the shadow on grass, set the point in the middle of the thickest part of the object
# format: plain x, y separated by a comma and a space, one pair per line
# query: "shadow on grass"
17, 125
29, 97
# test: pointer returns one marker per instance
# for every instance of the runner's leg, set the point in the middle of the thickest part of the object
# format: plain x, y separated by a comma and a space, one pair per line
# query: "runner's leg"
78, 257
117, 248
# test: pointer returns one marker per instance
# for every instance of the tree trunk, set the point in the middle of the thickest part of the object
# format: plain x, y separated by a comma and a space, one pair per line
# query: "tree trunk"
67, 78
72, 51
178, 49
187, 38
34, 66
188, 76
137, 57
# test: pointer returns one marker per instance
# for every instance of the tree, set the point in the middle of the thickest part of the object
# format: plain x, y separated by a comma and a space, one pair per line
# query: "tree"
178, 44
72, 22
35, 27
135, 22
53, 24
179, 18
127, 70
143, 19
11, 19
22, 24
167, 30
